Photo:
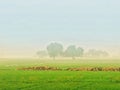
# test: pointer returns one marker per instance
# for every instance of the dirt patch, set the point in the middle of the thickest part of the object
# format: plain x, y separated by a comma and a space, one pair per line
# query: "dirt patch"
46, 68
40, 68
95, 69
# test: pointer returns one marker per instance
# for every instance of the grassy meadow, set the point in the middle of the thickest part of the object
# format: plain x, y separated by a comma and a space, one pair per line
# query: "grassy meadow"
13, 79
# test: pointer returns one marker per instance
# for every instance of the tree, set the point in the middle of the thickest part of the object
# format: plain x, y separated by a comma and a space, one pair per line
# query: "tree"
41, 54
54, 49
71, 52
80, 52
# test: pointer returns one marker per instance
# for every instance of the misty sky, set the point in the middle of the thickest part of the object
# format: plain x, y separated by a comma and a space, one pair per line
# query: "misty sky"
29, 25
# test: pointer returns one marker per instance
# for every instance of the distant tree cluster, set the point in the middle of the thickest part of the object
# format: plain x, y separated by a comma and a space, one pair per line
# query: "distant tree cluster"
56, 49
41, 54
96, 53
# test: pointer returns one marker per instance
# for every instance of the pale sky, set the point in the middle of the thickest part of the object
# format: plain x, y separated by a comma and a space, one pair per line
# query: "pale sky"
29, 25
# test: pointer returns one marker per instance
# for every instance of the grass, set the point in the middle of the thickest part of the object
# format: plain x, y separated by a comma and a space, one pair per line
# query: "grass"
12, 79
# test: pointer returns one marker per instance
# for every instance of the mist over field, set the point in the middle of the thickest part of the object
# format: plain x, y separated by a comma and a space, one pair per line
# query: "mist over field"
27, 26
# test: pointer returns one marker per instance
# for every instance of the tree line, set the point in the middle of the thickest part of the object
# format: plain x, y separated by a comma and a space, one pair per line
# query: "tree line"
56, 49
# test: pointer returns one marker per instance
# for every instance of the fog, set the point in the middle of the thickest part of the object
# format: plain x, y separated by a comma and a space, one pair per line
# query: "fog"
27, 26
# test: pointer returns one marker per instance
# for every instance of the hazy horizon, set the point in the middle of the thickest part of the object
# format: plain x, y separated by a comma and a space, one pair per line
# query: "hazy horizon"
27, 26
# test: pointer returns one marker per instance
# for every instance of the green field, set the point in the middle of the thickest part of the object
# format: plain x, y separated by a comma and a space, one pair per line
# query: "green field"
13, 79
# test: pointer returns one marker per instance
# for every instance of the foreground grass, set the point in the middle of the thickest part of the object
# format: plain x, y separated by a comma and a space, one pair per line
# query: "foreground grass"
59, 80
12, 79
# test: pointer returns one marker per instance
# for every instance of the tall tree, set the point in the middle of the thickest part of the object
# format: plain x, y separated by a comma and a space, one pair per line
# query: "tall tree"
71, 52
54, 49
80, 52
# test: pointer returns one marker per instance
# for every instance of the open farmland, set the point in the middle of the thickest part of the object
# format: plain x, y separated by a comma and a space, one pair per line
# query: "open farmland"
13, 79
